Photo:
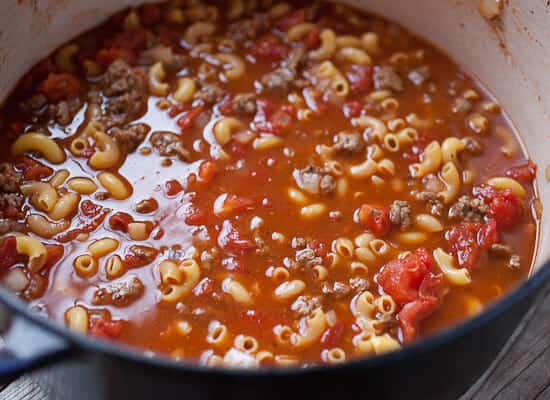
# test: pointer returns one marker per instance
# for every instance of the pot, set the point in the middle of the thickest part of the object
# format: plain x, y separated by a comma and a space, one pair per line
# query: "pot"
508, 53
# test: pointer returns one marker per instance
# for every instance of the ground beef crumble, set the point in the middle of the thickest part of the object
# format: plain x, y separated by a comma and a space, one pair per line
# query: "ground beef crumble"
400, 214
119, 293
168, 144
435, 206
9, 178
304, 305
285, 78
336, 289
210, 94
130, 137
314, 180
348, 142
244, 104
127, 92
419, 75
386, 77
306, 258
468, 209
473, 146
505, 251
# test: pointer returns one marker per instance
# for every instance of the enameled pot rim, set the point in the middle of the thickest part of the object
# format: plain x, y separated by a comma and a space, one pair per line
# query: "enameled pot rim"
89, 345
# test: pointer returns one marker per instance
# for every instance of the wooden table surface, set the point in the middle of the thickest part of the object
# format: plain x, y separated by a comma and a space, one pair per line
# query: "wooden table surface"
521, 373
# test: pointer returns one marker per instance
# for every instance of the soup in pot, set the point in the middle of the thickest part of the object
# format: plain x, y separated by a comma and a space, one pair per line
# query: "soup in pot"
259, 184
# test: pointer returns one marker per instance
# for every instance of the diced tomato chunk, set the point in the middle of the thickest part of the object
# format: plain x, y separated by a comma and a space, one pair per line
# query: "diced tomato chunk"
525, 173
231, 240
107, 56
506, 208
227, 204
59, 86
172, 187
375, 219
412, 314
312, 39
32, 170
504, 205
360, 78
269, 48
488, 234
177, 109
463, 243
352, 109
226, 105
401, 278
332, 337
193, 215
318, 248
150, 14
294, 18
187, 120
105, 329
8, 252
87, 220
270, 119
468, 238
207, 171
119, 221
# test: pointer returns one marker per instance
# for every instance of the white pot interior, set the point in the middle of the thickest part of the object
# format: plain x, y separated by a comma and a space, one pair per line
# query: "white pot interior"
509, 55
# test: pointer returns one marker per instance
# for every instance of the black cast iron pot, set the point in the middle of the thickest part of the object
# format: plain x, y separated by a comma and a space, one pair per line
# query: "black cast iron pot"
441, 367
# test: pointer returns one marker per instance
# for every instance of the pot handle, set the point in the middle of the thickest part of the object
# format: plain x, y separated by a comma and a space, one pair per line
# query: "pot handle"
24, 347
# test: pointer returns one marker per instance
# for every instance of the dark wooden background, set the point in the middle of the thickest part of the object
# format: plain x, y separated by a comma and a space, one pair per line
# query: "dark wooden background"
521, 373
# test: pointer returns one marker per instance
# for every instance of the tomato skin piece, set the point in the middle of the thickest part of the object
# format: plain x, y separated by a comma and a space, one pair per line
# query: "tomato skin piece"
525, 173
402, 278
375, 219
